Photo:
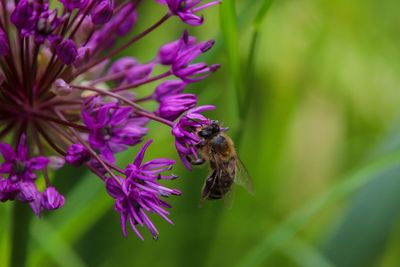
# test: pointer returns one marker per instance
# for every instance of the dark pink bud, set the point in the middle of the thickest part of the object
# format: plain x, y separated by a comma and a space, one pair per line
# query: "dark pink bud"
171, 107
77, 154
51, 199
27, 192
102, 13
168, 88
67, 52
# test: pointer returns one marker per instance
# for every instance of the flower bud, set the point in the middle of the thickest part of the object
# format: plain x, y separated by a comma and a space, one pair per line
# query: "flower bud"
56, 162
67, 51
51, 199
168, 88
77, 154
23, 15
171, 107
8, 190
69, 5
102, 13
139, 73
61, 88
27, 192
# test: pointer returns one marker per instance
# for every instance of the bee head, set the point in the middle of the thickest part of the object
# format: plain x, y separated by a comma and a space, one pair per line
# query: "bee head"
210, 130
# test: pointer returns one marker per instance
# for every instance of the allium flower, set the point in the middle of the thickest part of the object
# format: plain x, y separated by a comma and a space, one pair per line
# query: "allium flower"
17, 165
180, 55
140, 193
171, 107
69, 5
186, 9
168, 88
63, 100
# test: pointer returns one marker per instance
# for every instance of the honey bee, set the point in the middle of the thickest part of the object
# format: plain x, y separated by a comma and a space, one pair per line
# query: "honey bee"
226, 168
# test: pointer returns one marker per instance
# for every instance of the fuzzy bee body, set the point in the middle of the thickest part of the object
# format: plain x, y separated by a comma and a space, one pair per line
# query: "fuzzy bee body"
218, 149
220, 154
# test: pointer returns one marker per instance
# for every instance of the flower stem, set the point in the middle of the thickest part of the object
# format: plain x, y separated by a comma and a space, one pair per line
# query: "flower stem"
124, 46
138, 109
20, 233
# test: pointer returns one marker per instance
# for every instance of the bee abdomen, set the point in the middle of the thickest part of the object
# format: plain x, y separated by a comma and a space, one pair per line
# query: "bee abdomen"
219, 190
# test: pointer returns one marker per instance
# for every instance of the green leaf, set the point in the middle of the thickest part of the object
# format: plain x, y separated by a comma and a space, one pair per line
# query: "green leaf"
5, 235
86, 205
230, 35
262, 13
50, 240
360, 239
306, 255
288, 229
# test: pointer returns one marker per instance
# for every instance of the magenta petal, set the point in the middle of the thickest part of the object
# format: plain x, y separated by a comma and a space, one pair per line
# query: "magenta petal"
22, 149
120, 115
51, 199
123, 224
38, 163
28, 192
114, 188
139, 157
191, 19
7, 151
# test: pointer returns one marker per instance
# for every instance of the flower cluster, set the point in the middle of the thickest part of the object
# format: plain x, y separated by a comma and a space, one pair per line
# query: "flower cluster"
64, 101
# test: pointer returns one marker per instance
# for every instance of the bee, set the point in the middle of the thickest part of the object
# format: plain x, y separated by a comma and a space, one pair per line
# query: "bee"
218, 149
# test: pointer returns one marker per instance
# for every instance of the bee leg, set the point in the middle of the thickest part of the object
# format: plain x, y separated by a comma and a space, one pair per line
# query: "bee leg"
208, 184
199, 161
201, 144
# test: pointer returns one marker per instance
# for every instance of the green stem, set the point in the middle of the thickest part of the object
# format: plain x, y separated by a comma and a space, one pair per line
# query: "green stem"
20, 233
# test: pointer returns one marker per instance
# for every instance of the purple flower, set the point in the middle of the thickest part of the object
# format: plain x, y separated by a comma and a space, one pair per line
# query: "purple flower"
188, 72
171, 107
122, 65
181, 53
28, 192
51, 199
61, 88
120, 24
168, 88
69, 5
186, 9
127, 23
46, 24
67, 52
102, 13
140, 193
8, 189
17, 164
139, 73
67, 97
24, 16
186, 138
113, 129
77, 155
169, 52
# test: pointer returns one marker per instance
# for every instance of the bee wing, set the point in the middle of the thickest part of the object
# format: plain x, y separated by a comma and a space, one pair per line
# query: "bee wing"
228, 198
243, 177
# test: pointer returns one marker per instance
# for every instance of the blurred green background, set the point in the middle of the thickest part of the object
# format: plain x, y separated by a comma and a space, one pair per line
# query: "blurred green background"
310, 91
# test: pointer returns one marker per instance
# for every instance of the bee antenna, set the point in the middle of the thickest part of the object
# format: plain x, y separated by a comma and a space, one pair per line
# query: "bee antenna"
225, 129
